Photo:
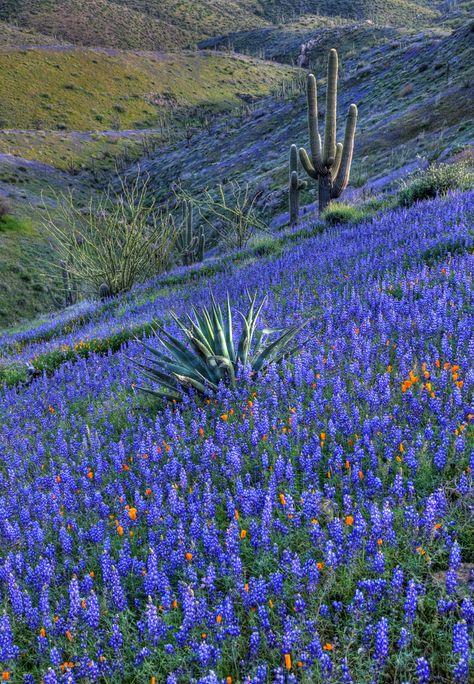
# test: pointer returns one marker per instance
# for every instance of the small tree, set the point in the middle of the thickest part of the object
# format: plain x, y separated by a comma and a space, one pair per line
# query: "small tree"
120, 238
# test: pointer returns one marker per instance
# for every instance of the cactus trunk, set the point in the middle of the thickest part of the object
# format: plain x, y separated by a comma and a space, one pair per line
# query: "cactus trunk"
324, 191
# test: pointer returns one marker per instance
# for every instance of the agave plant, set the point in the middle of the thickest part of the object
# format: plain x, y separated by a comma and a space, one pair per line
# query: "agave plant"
211, 355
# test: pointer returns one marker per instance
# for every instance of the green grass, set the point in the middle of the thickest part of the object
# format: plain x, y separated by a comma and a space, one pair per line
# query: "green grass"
86, 90
23, 294
137, 24
13, 223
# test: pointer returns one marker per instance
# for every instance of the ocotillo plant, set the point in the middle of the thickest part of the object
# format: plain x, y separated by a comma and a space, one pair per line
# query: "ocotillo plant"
329, 163
295, 186
190, 246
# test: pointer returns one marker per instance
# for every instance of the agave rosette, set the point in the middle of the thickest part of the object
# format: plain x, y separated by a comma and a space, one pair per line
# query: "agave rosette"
211, 355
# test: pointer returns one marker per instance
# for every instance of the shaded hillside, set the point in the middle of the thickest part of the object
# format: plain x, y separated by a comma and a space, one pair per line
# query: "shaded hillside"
405, 92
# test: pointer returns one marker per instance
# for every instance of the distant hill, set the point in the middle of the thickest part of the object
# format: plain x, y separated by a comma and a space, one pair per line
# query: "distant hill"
129, 24
171, 24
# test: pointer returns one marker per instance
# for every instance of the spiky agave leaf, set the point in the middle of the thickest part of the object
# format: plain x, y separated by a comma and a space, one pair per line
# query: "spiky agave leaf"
210, 356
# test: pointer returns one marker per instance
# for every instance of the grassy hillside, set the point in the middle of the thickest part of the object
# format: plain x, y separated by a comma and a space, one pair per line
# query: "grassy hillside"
170, 24
144, 24
13, 37
77, 89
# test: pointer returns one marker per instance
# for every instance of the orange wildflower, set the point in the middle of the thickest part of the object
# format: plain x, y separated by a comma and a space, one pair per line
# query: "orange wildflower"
5, 676
189, 556
243, 534
132, 513
288, 661
349, 520
282, 500
328, 647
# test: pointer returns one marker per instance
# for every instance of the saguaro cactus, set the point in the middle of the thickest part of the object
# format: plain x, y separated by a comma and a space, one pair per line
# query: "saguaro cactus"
294, 187
191, 246
329, 163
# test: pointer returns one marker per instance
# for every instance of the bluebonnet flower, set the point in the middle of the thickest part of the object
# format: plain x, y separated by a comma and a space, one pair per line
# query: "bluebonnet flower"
423, 670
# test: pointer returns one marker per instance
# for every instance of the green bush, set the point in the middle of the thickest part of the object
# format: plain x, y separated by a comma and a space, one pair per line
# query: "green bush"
438, 179
337, 212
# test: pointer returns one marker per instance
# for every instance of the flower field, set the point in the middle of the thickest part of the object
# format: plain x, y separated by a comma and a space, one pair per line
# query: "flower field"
312, 525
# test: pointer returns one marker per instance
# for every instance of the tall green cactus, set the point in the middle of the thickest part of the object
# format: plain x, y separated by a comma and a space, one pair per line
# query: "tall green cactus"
294, 187
329, 162
190, 246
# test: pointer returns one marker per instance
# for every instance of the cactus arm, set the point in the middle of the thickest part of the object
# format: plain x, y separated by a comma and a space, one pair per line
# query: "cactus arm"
337, 161
342, 178
313, 128
294, 184
293, 159
307, 163
329, 150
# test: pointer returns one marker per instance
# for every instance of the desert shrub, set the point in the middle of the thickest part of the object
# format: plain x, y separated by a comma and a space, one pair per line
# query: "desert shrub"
119, 239
337, 212
231, 213
438, 179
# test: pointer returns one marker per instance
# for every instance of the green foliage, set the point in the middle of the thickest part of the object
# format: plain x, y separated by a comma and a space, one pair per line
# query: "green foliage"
12, 374
337, 212
120, 239
329, 162
212, 355
438, 179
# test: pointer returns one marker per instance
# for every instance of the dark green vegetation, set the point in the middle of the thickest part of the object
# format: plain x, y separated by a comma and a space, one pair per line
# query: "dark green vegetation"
437, 180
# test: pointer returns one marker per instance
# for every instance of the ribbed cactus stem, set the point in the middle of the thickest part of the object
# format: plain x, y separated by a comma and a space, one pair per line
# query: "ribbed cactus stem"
330, 163
295, 185
190, 246
329, 152
293, 159
342, 178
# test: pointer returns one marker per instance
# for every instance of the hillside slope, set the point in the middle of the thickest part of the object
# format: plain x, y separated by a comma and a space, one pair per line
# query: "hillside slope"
405, 92
84, 89
168, 25
304, 510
